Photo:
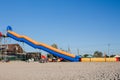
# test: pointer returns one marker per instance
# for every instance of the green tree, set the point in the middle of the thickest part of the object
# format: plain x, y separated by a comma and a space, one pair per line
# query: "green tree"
112, 55
51, 56
98, 54
106, 56
85, 55
54, 45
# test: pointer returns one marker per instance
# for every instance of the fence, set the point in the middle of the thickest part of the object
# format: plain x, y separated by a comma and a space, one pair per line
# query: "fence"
98, 59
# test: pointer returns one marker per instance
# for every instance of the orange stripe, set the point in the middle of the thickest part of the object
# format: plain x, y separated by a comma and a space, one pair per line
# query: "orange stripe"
41, 44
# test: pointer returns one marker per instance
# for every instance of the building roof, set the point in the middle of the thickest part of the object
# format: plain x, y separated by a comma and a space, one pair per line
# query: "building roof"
117, 56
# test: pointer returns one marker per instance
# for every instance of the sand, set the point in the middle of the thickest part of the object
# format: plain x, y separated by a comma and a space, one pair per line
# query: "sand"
17, 70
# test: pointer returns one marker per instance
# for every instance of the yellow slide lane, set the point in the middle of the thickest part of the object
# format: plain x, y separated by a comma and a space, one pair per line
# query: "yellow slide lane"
41, 44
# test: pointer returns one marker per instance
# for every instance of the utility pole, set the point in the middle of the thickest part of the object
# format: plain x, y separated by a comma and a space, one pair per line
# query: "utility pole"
1, 45
69, 50
78, 51
109, 50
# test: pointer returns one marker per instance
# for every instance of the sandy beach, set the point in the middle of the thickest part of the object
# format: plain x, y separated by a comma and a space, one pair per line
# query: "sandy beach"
18, 70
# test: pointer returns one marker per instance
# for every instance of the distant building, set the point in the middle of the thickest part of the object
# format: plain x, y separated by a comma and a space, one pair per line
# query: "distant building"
11, 49
117, 57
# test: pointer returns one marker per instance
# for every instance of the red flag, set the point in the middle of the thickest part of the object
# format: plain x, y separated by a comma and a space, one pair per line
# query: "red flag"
0, 34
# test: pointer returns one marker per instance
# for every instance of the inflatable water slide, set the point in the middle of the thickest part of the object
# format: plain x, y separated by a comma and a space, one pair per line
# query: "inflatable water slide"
42, 46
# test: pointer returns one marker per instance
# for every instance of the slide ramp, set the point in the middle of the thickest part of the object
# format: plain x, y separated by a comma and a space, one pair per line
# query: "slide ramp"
39, 45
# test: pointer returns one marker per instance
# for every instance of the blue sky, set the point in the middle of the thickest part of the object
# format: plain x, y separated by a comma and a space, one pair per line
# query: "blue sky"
87, 25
